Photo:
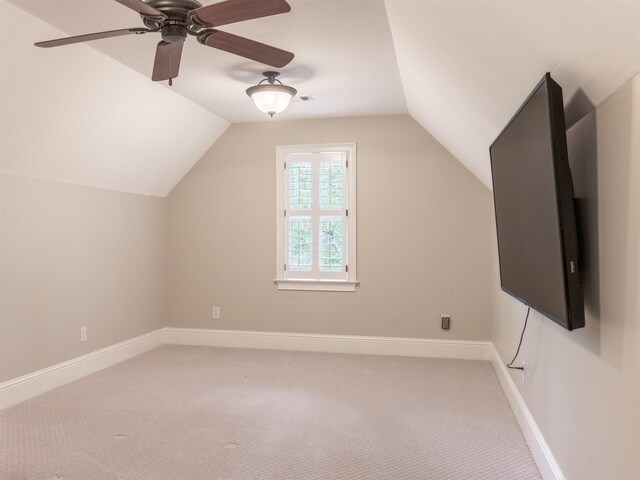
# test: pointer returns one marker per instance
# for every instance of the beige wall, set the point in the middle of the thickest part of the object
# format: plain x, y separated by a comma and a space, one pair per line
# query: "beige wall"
423, 236
583, 387
71, 257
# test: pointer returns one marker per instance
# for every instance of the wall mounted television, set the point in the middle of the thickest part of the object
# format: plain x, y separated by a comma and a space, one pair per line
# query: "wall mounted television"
534, 207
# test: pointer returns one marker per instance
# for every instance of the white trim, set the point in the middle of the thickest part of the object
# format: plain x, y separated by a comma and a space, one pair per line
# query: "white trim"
317, 285
546, 462
28, 386
348, 215
406, 347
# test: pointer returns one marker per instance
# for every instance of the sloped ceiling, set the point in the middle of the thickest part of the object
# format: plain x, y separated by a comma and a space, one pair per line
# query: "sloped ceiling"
344, 58
466, 67
77, 116
89, 114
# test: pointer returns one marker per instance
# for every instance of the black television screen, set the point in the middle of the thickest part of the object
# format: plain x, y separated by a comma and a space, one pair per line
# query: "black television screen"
535, 214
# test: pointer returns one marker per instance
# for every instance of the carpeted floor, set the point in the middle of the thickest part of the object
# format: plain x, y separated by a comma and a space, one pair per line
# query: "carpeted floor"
213, 413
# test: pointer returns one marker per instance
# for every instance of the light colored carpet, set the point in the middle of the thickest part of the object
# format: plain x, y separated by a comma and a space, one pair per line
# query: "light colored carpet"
214, 413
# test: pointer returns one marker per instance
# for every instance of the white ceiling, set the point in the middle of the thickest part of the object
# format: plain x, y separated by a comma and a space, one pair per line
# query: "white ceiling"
464, 68
344, 56
76, 116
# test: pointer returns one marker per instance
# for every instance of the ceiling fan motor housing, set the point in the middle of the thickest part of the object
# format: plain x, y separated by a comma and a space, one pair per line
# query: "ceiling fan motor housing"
176, 12
173, 33
168, 6
176, 19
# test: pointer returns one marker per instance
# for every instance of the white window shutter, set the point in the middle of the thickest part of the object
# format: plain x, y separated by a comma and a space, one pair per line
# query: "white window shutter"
316, 229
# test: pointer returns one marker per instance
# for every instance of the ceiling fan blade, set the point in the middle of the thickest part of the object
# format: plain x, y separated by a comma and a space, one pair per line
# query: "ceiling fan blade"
232, 11
167, 63
248, 48
142, 8
91, 36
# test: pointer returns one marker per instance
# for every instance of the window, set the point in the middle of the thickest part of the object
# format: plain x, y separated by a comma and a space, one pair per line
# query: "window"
316, 228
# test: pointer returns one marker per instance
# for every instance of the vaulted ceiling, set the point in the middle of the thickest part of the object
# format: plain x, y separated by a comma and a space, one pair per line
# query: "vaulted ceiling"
461, 69
466, 67
76, 116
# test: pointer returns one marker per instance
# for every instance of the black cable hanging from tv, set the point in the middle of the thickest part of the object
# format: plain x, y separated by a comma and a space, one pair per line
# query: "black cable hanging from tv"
510, 364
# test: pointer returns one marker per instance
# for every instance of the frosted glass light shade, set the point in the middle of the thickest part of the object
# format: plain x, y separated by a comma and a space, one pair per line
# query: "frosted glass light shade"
271, 99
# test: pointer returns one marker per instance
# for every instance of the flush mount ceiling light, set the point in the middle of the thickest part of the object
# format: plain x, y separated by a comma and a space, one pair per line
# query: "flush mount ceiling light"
271, 97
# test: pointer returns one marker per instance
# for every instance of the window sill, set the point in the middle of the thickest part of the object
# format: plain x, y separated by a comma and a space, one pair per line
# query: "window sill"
317, 285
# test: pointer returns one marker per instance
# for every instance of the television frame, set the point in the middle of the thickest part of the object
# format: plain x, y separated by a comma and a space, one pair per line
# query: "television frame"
573, 294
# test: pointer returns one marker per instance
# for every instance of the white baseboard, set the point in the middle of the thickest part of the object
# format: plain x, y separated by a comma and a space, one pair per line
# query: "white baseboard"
28, 386
23, 388
546, 462
407, 347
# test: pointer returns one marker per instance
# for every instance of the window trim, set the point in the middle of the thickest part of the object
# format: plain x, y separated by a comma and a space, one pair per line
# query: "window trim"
336, 285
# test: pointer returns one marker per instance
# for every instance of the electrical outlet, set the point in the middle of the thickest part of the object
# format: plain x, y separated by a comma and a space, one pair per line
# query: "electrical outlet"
446, 322
83, 334
524, 373
215, 313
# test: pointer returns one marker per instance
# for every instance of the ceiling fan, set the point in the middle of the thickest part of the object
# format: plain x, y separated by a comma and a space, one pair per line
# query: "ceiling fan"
175, 19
